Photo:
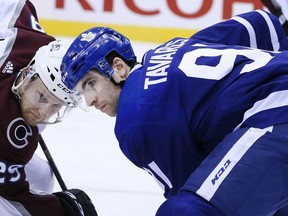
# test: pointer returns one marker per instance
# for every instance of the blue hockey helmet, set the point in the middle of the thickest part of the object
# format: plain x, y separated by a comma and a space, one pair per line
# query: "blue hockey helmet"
90, 50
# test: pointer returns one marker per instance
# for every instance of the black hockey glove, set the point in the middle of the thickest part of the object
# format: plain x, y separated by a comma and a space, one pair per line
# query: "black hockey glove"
76, 203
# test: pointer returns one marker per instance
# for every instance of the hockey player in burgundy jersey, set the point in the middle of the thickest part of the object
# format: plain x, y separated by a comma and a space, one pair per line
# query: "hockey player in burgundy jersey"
32, 93
206, 116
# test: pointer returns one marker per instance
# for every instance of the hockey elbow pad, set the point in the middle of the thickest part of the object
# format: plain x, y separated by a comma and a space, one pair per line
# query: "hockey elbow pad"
76, 203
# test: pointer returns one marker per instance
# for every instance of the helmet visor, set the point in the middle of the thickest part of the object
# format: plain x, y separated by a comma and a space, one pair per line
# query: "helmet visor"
38, 104
92, 86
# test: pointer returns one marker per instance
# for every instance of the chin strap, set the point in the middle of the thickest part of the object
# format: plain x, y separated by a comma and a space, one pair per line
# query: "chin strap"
59, 117
121, 83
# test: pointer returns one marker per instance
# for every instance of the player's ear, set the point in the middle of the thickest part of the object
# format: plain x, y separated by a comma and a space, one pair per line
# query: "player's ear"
120, 67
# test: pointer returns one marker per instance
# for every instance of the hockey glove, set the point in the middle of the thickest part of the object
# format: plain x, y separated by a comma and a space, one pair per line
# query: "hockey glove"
76, 203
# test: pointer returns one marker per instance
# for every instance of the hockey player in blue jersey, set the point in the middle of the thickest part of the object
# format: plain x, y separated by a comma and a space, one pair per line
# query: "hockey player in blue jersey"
206, 116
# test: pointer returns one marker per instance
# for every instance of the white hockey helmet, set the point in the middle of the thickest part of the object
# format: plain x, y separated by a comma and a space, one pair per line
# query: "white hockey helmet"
46, 66
47, 61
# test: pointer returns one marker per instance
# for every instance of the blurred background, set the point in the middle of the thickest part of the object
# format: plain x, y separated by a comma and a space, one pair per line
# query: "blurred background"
149, 20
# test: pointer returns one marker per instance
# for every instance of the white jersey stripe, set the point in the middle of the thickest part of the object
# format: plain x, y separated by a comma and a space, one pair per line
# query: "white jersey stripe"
159, 172
250, 30
274, 100
272, 30
9, 209
210, 185
10, 11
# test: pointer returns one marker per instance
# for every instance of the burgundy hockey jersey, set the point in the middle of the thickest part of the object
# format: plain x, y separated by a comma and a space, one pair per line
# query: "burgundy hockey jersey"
20, 37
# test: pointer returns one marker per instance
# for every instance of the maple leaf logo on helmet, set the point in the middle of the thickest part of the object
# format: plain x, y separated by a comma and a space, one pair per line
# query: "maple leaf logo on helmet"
88, 36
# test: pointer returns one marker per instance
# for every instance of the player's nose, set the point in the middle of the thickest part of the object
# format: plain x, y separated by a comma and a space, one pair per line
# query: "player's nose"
91, 99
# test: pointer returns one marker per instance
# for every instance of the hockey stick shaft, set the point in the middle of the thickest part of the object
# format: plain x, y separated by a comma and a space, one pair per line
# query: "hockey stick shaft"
52, 163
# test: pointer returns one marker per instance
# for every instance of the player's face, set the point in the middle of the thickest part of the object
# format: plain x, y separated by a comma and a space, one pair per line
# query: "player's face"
37, 103
99, 92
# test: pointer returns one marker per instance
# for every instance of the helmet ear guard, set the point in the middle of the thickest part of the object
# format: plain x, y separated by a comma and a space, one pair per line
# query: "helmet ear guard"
90, 50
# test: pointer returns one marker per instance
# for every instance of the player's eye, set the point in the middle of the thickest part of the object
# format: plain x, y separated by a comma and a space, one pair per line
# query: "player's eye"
42, 98
91, 83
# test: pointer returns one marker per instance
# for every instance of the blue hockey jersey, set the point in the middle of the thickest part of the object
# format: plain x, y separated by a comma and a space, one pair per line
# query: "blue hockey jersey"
189, 93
